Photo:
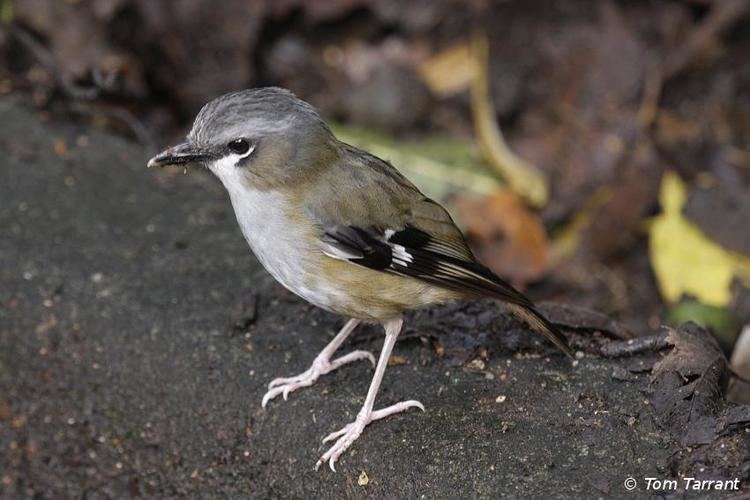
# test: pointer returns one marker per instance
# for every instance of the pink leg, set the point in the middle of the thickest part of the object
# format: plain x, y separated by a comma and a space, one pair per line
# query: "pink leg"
346, 436
320, 366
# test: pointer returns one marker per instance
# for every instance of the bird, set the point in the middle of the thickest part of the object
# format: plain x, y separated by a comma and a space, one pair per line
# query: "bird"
340, 228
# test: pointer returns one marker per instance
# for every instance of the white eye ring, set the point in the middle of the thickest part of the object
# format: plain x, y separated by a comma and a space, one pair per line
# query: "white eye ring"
248, 152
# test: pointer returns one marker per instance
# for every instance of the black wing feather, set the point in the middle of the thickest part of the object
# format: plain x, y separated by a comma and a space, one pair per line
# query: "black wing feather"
412, 252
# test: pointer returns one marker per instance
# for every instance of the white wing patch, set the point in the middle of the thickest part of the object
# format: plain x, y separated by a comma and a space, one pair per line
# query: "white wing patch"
399, 255
336, 252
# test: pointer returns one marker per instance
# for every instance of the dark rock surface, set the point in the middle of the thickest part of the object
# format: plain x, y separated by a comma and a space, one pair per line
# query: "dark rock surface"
137, 335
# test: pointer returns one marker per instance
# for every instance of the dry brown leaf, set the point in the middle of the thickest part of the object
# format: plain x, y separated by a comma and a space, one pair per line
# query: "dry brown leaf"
396, 360
507, 236
686, 385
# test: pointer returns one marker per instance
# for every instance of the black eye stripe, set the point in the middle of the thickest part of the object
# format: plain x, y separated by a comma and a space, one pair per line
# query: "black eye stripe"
239, 146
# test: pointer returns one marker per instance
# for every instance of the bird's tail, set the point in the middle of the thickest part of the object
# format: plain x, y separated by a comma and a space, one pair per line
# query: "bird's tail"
537, 321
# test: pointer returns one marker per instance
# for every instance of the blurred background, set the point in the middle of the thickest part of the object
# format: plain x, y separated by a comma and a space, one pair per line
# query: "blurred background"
596, 153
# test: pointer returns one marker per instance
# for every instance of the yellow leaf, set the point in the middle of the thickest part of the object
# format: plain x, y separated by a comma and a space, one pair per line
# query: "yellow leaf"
685, 261
672, 195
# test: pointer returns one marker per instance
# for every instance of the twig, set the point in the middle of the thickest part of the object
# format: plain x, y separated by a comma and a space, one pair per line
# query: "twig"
722, 17
522, 177
137, 128
85, 95
656, 342
724, 14
652, 87
46, 59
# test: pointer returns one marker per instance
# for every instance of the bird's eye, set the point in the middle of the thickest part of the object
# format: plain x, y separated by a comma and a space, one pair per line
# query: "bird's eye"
239, 146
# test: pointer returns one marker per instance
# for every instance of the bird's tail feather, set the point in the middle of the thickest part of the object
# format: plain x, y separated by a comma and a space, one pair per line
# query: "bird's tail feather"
473, 279
537, 321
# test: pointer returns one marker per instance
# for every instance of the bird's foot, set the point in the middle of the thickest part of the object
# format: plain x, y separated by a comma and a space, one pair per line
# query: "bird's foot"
346, 436
321, 366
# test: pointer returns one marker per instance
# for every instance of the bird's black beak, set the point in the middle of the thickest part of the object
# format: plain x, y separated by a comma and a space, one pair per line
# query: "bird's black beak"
182, 154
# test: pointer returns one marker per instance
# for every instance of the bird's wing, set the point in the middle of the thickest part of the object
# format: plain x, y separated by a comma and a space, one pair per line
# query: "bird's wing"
379, 220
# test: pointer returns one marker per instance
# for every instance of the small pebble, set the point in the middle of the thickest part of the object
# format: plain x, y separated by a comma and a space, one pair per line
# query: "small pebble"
363, 479
475, 364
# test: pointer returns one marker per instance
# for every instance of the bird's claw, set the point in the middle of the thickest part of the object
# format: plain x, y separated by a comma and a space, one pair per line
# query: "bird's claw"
346, 436
284, 385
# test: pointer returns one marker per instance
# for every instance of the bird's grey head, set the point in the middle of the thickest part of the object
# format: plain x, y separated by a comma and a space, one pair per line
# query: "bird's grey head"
261, 137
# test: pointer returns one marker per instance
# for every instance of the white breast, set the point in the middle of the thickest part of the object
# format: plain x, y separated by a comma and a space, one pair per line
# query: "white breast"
262, 216
267, 231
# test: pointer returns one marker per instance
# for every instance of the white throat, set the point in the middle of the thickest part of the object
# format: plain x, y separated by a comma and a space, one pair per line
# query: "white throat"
226, 168
263, 219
